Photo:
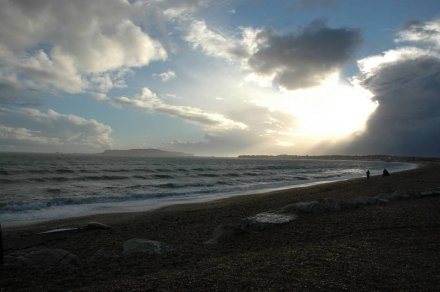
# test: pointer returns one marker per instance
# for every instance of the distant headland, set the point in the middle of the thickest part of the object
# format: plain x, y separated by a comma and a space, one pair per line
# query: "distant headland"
144, 153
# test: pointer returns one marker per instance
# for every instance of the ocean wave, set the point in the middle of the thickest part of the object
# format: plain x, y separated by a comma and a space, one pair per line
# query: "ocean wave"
208, 175
102, 177
232, 174
33, 179
38, 171
53, 191
4, 172
163, 176
251, 173
64, 170
118, 170
16, 207
204, 169
142, 169
140, 176
185, 185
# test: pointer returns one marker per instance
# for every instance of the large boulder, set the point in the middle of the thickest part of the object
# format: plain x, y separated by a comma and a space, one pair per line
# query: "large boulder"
272, 218
225, 231
96, 225
146, 246
303, 207
41, 257
104, 255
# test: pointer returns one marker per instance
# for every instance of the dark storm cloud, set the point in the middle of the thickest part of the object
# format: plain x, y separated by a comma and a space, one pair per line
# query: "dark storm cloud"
304, 59
407, 120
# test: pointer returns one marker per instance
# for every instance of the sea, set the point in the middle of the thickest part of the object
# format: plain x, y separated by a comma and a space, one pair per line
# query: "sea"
38, 187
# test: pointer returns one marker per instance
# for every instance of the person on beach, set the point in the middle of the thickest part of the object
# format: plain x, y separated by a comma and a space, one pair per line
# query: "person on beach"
368, 174
385, 172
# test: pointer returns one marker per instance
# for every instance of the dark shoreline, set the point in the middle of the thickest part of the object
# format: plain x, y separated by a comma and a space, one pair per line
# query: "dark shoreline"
394, 246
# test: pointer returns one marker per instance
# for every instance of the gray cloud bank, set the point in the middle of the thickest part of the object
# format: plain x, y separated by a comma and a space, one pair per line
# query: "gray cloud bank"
407, 120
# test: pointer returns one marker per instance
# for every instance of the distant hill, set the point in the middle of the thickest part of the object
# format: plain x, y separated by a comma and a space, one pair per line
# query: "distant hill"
144, 153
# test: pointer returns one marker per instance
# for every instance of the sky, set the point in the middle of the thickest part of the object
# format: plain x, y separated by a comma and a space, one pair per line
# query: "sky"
221, 78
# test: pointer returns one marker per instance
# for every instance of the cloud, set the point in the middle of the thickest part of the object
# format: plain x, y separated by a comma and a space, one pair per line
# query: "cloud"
64, 46
406, 121
422, 32
294, 60
166, 76
28, 129
11, 95
220, 44
149, 101
306, 58
178, 7
267, 133
406, 83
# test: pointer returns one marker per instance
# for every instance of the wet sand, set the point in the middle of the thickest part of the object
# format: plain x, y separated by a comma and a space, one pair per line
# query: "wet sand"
392, 246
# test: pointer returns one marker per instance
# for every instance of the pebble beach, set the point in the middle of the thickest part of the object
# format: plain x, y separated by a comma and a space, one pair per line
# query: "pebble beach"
361, 235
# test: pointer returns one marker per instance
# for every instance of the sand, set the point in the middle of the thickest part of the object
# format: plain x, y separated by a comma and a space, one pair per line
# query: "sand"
392, 246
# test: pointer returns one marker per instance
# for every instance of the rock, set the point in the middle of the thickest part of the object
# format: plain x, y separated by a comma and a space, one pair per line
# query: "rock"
88, 226
224, 231
147, 246
61, 229
430, 193
272, 218
303, 207
96, 225
399, 196
103, 254
331, 205
347, 204
41, 257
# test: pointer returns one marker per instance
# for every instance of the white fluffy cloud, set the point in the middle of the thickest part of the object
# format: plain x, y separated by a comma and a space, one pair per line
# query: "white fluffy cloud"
166, 76
63, 45
35, 130
149, 101
220, 44
427, 33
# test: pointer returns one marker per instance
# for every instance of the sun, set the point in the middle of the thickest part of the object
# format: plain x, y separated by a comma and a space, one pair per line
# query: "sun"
333, 110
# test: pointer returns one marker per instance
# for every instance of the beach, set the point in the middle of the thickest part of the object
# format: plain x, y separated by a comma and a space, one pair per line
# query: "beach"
388, 245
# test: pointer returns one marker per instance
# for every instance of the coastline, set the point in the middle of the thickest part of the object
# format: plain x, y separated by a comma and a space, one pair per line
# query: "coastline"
73, 212
378, 247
